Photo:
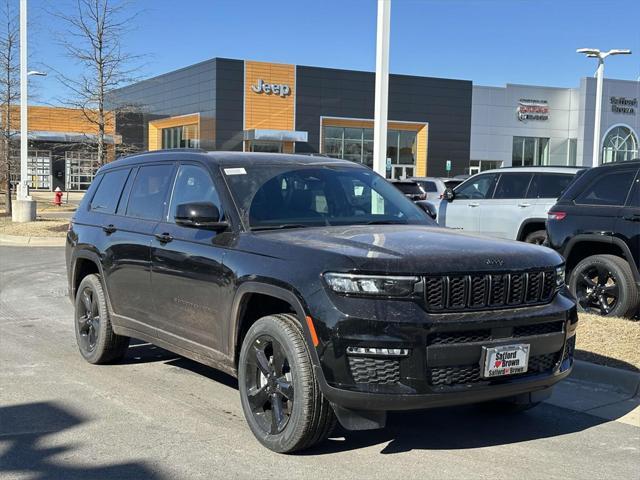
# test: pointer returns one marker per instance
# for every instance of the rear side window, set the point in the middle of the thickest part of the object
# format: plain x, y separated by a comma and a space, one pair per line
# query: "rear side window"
148, 196
429, 186
512, 185
549, 185
108, 194
609, 189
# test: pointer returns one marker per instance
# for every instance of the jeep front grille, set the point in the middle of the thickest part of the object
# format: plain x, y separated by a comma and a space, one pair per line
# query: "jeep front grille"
477, 292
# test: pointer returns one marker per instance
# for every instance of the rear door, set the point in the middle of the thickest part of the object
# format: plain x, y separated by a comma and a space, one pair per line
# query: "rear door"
628, 226
188, 280
503, 213
463, 213
544, 191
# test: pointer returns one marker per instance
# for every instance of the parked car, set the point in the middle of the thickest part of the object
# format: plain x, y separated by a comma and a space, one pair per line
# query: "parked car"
318, 284
434, 187
412, 190
596, 226
505, 203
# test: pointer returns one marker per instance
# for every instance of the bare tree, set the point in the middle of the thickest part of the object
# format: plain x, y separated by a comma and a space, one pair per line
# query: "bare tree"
9, 88
93, 39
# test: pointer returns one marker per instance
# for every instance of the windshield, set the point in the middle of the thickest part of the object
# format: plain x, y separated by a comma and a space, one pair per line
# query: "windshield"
285, 196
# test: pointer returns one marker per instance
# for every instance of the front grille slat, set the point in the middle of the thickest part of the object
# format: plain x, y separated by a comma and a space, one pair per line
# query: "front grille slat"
381, 371
478, 292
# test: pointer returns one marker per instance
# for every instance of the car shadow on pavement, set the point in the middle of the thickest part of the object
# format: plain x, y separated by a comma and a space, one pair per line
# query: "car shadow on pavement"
140, 351
604, 360
460, 428
27, 429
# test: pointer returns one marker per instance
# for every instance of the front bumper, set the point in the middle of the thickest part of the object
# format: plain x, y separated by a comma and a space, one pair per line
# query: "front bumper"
442, 367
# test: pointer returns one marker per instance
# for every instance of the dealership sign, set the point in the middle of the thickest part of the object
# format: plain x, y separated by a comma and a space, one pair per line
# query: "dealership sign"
529, 109
271, 88
623, 105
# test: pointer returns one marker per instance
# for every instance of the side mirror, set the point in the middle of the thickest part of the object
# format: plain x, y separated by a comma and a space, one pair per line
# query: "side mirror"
429, 209
449, 195
200, 215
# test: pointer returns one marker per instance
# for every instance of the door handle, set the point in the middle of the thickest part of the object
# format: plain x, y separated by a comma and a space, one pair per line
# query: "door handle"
633, 218
109, 229
473, 205
524, 205
164, 237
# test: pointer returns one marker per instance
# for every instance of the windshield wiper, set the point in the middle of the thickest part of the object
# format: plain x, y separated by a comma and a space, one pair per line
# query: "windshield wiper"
385, 222
278, 227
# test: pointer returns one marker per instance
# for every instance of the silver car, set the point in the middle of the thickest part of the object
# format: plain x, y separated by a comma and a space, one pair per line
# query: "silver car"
505, 203
434, 187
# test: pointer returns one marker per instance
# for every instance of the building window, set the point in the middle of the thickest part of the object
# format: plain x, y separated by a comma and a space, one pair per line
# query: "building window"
619, 145
530, 151
356, 144
183, 136
572, 152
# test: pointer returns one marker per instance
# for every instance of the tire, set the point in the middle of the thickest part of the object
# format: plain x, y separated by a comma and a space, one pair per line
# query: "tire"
94, 334
593, 282
539, 237
305, 420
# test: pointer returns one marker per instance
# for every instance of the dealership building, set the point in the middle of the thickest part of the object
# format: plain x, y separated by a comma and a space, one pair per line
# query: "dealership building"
434, 123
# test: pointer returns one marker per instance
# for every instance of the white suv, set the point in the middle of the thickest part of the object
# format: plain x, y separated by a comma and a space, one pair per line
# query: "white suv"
506, 203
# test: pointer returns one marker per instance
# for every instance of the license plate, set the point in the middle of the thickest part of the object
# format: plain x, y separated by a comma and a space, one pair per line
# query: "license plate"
505, 360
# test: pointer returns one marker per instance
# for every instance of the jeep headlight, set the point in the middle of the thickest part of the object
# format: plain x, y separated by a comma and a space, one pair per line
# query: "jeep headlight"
374, 285
560, 276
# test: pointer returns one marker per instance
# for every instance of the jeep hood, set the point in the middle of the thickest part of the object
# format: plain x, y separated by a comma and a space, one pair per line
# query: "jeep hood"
411, 249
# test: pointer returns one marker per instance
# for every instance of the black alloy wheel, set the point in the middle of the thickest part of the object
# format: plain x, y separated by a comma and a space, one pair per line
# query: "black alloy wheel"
604, 285
88, 320
269, 384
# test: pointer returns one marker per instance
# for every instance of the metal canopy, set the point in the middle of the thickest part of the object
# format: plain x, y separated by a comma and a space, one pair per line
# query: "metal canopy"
276, 135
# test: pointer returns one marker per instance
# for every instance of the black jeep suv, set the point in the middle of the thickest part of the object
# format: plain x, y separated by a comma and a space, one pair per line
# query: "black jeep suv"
595, 225
315, 281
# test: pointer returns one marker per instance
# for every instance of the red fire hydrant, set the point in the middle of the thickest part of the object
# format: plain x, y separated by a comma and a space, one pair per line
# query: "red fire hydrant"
58, 199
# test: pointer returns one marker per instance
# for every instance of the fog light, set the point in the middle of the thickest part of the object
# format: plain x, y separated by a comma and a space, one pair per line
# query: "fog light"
560, 274
381, 352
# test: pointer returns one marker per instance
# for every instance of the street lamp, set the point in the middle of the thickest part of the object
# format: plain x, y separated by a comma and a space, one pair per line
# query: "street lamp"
595, 53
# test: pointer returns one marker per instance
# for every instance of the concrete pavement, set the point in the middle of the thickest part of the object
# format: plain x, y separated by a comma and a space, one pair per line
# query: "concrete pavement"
159, 416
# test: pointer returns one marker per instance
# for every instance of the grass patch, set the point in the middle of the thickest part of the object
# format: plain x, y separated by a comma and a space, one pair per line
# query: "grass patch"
42, 227
614, 342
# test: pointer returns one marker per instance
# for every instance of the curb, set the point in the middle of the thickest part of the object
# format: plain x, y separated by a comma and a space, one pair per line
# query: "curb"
623, 381
17, 240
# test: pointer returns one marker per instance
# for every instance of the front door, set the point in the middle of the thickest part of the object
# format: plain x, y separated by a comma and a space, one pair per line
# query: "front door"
628, 226
400, 172
463, 213
188, 277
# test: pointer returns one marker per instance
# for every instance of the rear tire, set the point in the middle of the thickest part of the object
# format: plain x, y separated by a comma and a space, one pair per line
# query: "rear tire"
94, 334
539, 237
280, 397
604, 285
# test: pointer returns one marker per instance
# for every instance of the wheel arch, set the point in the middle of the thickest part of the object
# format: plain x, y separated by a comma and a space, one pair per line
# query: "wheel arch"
84, 263
582, 246
530, 225
243, 315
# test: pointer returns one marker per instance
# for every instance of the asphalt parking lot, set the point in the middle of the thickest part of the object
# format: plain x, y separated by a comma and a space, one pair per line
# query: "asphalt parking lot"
159, 416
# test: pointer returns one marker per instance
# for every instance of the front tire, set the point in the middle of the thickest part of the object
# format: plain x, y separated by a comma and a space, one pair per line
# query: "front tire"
280, 397
604, 285
94, 334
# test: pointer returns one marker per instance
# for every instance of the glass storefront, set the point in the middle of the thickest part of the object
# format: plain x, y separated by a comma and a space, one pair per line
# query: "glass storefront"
183, 136
530, 151
356, 144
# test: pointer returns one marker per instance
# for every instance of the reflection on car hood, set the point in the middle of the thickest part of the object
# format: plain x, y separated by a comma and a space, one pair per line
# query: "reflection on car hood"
414, 248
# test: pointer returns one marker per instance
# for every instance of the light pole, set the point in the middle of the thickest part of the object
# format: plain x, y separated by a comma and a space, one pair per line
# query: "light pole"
382, 88
595, 53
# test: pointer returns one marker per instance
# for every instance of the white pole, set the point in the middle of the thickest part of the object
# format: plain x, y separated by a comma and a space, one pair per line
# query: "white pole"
598, 115
23, 190
382, 88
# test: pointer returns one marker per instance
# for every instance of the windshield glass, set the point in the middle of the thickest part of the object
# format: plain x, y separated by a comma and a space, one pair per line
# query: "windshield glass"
285, 196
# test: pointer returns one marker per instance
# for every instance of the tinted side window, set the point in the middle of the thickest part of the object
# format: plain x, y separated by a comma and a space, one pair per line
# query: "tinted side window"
609, 189
634, 199
549, 185
512, 185
108, 194
193, 184
149, 193
477, 188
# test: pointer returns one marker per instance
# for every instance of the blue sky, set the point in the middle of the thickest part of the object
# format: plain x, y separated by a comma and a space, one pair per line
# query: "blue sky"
491, 42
